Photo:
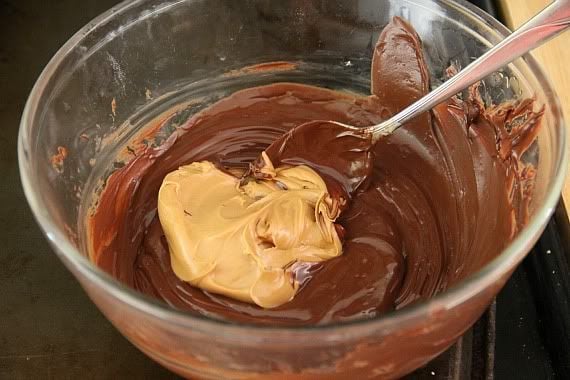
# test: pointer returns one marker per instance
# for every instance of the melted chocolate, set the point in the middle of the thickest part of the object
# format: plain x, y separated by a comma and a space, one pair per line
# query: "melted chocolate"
446, 194
311, 144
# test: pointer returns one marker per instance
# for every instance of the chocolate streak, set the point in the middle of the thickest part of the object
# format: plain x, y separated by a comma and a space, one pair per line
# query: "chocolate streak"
446, 195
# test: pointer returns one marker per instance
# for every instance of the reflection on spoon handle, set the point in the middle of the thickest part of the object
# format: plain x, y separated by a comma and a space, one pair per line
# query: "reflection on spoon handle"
551, 21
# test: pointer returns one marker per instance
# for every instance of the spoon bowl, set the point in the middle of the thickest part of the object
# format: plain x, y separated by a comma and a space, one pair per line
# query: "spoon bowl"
343, 172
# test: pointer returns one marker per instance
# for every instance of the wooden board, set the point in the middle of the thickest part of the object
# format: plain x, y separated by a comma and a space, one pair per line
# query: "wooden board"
554, 57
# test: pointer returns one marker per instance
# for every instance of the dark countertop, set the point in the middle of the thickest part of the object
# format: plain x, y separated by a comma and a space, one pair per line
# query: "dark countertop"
48, 326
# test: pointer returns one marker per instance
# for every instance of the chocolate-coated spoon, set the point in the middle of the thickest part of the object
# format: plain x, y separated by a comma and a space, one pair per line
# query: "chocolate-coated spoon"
313, 143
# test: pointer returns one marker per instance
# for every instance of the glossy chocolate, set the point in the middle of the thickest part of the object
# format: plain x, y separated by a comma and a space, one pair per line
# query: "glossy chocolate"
446, 194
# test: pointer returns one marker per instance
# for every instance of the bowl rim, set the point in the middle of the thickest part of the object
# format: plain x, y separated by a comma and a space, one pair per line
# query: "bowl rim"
484, 278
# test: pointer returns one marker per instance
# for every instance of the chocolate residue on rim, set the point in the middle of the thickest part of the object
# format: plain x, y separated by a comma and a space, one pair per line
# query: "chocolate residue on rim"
262, 68
58, 159
448, 192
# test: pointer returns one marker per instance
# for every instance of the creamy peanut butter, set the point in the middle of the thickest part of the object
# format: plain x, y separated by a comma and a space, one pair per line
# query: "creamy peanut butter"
242, 241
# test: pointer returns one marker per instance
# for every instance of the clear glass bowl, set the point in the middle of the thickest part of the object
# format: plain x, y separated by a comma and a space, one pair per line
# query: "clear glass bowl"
141, 58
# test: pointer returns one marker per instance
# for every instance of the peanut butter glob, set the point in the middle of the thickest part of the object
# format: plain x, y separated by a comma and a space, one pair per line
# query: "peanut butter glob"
241, 241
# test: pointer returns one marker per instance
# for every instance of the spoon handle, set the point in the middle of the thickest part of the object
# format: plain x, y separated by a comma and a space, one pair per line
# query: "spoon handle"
551, 21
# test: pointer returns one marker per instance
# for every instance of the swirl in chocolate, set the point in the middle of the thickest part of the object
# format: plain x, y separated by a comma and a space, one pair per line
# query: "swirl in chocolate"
446, 194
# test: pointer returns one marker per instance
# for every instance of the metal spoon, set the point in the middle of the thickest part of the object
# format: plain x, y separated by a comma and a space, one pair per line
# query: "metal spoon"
356, 142
551, 21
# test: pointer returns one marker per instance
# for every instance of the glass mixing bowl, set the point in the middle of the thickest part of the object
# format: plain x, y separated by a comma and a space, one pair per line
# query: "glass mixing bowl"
138, 60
